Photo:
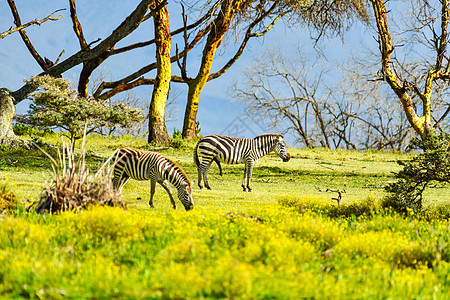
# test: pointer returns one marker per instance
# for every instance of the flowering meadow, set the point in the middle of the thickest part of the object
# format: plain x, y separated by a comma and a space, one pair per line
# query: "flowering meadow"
287, 240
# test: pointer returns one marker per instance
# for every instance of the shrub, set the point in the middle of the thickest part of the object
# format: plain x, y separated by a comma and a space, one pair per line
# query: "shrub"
433, 164
73, 188
177, 139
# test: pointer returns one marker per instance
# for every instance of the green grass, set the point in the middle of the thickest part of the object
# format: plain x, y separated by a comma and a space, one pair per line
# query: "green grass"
285, 240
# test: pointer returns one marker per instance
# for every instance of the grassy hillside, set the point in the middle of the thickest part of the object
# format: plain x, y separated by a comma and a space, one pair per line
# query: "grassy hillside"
285, 240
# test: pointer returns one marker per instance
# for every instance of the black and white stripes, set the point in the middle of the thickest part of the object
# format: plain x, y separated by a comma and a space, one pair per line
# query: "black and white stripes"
233, 151
147, 165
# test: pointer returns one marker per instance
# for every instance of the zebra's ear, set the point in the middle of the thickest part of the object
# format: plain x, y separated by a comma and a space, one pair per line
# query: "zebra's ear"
188, 189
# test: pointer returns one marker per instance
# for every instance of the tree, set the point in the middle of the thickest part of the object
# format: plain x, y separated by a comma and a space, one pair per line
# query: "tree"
322, 15
297, 95
281, 89
413, 76
55, 105
91, 57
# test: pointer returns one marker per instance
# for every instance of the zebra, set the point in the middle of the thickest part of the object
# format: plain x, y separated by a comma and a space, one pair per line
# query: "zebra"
231, 150
146, 165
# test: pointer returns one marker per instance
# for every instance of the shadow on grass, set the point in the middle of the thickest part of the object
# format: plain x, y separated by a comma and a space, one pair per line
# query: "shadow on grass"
19, 158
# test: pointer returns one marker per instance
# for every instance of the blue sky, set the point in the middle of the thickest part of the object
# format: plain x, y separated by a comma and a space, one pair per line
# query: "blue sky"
217, 109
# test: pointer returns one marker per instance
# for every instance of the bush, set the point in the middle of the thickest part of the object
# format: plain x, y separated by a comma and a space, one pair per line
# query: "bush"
433, 164
177, 139
73, 188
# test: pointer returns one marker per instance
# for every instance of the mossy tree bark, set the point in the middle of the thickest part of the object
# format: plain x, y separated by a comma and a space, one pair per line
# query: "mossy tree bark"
157, 131
7, 113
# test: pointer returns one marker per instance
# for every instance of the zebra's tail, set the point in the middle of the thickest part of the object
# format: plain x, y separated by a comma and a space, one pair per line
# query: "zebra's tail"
218, 164
196, 160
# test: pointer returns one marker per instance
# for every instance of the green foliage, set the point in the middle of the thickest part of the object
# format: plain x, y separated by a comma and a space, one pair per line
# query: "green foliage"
22, 130
433, 164
177, 139
198, 129
55, 105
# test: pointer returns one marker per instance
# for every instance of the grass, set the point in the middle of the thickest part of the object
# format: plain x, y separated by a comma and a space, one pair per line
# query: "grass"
285, 240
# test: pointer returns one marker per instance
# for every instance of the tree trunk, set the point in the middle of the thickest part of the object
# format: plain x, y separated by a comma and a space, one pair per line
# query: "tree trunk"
157, 131
190, 113
7, 113
222, 23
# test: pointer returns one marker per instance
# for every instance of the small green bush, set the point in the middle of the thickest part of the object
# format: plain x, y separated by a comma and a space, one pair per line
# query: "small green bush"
433, 164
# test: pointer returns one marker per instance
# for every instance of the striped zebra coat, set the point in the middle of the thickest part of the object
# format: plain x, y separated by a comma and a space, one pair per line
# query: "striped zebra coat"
231, 150
147, 165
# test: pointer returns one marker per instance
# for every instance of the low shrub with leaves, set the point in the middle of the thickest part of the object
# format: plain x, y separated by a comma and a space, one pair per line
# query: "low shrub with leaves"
73, 188
432, 164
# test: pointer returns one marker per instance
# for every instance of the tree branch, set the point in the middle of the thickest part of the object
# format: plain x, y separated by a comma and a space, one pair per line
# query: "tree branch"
76, 25
124, 29
44, 64
34, 22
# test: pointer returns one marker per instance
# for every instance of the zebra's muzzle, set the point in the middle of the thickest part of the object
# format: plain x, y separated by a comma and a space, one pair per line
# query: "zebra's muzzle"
287, 158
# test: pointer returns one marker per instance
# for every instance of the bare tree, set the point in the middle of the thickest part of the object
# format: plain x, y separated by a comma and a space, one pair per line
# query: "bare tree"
91, 57
282, 89
414, 58
350, 113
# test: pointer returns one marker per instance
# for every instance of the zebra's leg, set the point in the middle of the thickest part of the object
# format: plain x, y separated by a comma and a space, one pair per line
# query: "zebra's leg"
152, 191
249, 176
243, 180
200, 185
204, 169
166, 186
118, 183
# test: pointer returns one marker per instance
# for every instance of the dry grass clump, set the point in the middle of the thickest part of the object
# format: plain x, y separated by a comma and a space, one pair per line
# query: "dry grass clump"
73, 188
8, 199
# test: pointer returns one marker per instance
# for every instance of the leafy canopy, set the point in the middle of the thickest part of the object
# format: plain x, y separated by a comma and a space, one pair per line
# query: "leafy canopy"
55, 105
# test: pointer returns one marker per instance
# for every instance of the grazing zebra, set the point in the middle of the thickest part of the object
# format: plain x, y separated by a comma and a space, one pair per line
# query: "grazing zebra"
147, 165
231, 150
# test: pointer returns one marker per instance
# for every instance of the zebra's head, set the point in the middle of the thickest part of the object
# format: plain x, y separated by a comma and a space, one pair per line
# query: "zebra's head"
281, 149
185, 196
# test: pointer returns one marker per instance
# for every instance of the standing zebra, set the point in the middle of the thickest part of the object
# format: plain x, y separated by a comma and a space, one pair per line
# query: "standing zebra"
233, 151
147, 165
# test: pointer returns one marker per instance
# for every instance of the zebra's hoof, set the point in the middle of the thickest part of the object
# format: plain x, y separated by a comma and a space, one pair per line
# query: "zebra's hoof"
208, 187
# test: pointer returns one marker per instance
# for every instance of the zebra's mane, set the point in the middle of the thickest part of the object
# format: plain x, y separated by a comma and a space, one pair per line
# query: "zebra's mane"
179, 169
268, 135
